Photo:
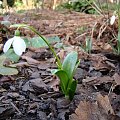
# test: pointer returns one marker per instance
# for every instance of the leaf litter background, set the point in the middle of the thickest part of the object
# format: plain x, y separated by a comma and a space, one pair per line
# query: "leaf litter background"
33, 93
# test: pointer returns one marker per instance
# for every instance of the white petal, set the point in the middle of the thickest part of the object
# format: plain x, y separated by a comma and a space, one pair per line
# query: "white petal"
7, 45
19, 45
112, 19
111, 1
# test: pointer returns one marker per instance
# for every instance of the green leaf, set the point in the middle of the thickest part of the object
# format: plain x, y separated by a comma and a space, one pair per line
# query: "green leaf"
6, 70
6, 23
88, 45
76, 66
27, 42
12, 56
59, 45
53, 39
64, 80
38, 42
69, 63
2, 59
72, 89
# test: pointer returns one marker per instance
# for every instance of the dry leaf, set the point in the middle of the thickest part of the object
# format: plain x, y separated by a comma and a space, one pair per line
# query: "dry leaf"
98, 110
98, 61
30, 60
116, 77
87, 111
104, 103
97, 80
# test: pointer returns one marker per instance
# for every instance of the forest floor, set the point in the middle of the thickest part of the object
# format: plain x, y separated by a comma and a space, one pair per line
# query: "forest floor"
34, 93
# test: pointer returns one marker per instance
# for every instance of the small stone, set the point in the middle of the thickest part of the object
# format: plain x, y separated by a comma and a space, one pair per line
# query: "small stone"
79, 74
35, 75
33, 105
12, 88
26, 87
62, 103
13, 95
6, 112
38, 86
42, 115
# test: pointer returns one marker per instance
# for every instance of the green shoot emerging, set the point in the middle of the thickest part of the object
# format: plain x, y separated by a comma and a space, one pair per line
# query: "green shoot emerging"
65, 70
65, 74
88, 46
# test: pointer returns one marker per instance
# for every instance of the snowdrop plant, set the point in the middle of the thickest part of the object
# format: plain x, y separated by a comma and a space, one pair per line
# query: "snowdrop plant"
65, 70
17, 43
112, 20
88, 45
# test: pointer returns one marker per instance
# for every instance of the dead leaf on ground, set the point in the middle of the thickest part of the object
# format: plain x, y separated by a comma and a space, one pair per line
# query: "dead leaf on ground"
87, 111
101, 46
30, 60
116, 77
98, 61
98, 80
105, 104
98, 110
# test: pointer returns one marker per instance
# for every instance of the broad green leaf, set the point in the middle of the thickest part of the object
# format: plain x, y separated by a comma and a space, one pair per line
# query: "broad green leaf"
12, 56
69, 63
53, 39
6, 70
59, 45
76, 66
53, 71
2, 59
38, 42
6, 23
64, 80
72, 89
27, 42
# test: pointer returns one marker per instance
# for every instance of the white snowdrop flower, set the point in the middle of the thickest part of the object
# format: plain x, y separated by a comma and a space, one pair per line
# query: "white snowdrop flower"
18, 44
111, 1
112, 20
1, 2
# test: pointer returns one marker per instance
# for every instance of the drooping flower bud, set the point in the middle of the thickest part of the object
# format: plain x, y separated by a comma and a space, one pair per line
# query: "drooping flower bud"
112, 20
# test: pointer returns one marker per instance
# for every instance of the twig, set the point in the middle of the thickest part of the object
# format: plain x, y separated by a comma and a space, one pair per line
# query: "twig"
16, 108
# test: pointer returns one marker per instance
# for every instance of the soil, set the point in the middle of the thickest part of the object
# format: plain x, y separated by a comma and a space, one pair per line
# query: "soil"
34, 93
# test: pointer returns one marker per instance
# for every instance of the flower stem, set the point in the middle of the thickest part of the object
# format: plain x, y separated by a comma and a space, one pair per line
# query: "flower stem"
53, 51
44, 39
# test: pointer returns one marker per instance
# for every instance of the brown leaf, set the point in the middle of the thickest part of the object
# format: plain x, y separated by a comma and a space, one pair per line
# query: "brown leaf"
116, 77
97, 80
98, 61
98, 110
30, 60
87, 111
104, 103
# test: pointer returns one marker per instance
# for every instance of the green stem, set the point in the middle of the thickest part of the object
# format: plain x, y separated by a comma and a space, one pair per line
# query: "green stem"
118, 12
44, 39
